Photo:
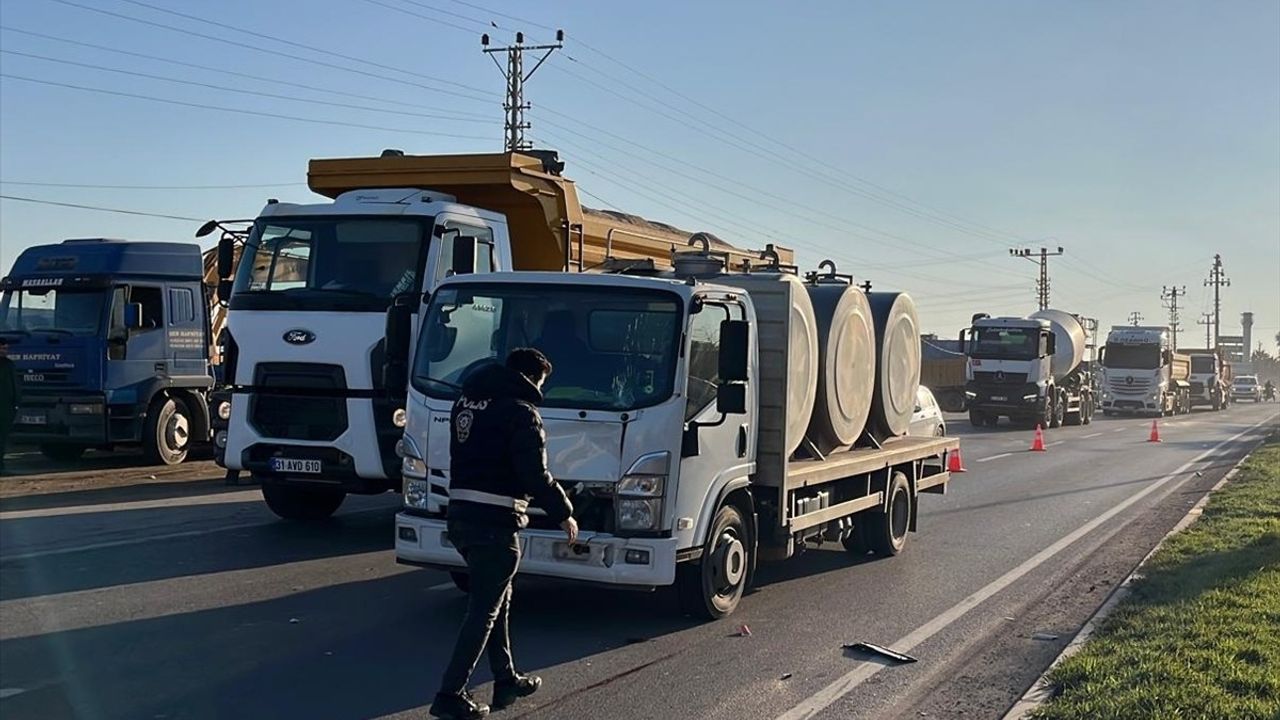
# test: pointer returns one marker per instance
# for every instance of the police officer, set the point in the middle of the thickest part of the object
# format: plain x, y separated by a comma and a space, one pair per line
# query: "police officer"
498, 462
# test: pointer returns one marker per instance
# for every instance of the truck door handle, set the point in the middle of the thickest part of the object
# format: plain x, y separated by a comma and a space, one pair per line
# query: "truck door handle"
742, 440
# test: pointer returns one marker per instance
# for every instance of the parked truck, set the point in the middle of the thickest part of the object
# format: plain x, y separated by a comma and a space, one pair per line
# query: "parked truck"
686, 420
1143, 374
112, 341
1210, 378
307, 411
943, 369
1034, 370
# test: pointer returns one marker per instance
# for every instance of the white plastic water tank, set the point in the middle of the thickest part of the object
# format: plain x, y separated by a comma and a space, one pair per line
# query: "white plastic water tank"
846, 364
897, 362
788, 340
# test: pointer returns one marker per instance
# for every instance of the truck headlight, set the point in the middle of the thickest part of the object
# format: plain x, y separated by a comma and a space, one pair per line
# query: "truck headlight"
412, 467
415, 493
640, 485
1029, 397
85, 409
224, 410
970, 394
639, 514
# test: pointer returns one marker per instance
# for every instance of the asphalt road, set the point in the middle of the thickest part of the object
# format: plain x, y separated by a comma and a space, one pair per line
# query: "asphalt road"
181, 598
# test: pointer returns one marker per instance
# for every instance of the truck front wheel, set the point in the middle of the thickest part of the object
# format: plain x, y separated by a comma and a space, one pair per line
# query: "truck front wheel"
167, 433
1059, 414
711, 587
886, 532
301, 503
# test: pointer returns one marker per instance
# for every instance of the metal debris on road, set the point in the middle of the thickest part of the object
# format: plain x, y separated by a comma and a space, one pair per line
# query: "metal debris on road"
1044, 636
785, 676
878, 650
743, 631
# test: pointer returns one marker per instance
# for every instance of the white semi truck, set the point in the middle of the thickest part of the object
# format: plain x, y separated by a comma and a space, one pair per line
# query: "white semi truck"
1210, 378
680, 417
1034, 370
1143, 374
314, 400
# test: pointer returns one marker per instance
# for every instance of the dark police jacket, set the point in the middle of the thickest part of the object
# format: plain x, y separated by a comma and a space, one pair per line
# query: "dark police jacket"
498, 458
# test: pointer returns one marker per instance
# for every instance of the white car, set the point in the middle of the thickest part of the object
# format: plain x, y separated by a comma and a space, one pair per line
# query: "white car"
927, 419
1246, 387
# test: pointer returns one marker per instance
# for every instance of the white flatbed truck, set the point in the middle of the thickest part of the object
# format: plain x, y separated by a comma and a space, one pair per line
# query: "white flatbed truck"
660, 432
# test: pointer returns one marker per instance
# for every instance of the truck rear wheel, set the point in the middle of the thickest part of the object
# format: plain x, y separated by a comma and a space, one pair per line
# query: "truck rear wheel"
886, 532
1059, 414
166, 435
301, 503
59, 452
711, 587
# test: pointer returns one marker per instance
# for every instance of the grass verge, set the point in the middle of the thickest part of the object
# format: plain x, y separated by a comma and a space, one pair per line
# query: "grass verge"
1199, 636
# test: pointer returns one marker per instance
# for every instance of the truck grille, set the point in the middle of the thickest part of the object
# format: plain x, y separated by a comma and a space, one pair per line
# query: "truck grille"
999, 378
1197, 388
1123, 386
46, 379
299, 401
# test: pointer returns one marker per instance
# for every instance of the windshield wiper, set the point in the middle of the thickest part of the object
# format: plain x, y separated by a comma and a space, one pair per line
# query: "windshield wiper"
438, 381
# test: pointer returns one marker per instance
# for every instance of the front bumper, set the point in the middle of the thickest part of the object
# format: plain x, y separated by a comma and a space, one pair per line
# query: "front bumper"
48, 419
1012, 398
360, 460
422, 541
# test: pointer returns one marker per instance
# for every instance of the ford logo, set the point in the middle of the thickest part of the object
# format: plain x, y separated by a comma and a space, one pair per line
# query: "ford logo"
298, 336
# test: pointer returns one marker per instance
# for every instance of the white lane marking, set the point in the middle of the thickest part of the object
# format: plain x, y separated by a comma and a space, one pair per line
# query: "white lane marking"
1119, 429
849, 681
10, 692
193, 500
994, 457
1055, 442
1086, 437
155, 538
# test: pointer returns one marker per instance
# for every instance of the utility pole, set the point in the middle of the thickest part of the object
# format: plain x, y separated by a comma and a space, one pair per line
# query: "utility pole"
1042, 284
1135, 318
1206, 319
1218, 280
1170, 295
515, 124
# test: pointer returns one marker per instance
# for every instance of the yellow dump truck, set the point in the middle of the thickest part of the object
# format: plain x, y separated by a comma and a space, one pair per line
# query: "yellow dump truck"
316, 392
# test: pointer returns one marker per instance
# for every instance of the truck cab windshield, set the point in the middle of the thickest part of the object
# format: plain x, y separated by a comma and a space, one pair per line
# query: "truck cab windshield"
1005, 344
1201, 364
328, 263
54, 310
1133, 357
609, 349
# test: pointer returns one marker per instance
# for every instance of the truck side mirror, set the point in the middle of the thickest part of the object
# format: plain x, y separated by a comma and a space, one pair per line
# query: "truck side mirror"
226, 256
464, 255
133, 316
224, 290
735, 352
731, 399
964, 342
395, 372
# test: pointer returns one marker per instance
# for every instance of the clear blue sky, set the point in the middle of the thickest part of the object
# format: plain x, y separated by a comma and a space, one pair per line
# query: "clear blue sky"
919, 141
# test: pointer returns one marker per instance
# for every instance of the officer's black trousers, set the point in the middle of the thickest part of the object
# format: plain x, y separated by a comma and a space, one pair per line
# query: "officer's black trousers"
492, 556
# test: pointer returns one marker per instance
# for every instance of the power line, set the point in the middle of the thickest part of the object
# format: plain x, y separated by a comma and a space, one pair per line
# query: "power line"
148, 187
238, 111
1042, 284
223, 88
279, 53
233, 73
1217, 280
301, 46
100, 209
424, 17
516, 77
716, 131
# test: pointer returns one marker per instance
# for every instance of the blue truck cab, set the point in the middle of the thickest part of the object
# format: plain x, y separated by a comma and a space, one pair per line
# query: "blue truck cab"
111, 342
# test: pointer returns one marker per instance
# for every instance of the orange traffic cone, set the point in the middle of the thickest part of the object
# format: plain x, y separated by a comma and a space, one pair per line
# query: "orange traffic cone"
954, 463
1037, 444
1155, 432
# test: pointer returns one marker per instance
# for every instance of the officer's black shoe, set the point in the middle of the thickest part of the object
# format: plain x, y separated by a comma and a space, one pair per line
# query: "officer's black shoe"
506, 692
458, 707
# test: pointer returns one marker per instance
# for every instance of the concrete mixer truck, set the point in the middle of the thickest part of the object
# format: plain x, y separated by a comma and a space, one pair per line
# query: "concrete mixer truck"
699, 420
1143, 374
1034, 370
